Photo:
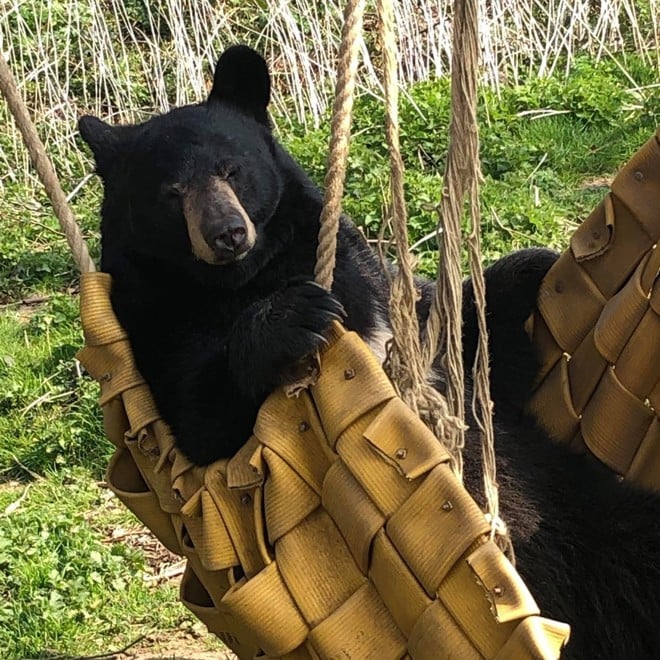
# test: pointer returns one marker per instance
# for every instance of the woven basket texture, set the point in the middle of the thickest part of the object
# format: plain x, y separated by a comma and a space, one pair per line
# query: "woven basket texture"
337, 531
597, 329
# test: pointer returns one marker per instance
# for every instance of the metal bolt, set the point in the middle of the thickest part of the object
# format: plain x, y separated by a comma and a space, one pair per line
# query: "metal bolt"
447, 506
349, 374
498, 591
638, 176
303, 426
401, 453
245, 499
106, 377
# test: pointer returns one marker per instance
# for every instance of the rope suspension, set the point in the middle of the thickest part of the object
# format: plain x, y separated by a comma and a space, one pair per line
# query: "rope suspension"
404, 363
408, 362
462, 178
340, 133
45, 169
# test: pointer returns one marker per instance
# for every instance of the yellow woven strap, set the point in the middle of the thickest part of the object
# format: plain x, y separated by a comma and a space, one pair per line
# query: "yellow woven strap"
338, 530
597, 329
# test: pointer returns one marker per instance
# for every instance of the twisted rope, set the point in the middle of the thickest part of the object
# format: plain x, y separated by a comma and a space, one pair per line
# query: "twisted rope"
340, 133
462, 176
45, 170
404, 363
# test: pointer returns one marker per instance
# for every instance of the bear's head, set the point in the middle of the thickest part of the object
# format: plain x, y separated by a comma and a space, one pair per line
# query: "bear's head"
193, 188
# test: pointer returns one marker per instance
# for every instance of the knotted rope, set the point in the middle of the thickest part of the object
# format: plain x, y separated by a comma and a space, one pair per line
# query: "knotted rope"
45, 170
462, 176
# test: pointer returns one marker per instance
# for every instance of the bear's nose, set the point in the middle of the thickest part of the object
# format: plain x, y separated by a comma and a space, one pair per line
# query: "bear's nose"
231, 238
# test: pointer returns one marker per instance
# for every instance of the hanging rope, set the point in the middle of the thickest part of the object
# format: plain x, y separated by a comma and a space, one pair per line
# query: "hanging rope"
340, 133
45, 170
462, 176
404, 363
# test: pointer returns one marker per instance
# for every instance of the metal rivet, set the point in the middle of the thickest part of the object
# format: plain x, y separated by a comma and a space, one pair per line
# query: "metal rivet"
401, 453
349, 374
559, 286
303, 426
498, 591
106, 377
638, 176
447, 506
245, 499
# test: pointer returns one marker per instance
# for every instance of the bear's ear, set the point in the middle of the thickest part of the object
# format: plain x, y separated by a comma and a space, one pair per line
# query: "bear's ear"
105, 141
241, 79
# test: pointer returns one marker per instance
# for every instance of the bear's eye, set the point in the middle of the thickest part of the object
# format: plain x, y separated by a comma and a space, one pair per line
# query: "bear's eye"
229, 173
174, 190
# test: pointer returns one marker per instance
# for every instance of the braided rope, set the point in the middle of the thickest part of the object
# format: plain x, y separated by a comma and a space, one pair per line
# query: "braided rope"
404, 363
45, 170
340, 132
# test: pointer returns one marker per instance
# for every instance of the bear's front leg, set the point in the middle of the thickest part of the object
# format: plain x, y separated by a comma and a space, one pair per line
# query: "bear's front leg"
273, 334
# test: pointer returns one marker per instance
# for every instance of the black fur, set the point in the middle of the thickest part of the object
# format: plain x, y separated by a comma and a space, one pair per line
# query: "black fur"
514, 282
212, 341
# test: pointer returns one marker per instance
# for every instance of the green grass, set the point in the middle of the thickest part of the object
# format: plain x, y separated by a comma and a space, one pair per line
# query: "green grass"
535, 167
48, 412
66, 587
63, 590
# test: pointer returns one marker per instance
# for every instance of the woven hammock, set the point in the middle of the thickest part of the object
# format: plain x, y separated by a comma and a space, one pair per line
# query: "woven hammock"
338, 530
597, 329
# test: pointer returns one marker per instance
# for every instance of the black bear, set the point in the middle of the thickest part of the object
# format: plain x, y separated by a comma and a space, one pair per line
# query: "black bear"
209, 229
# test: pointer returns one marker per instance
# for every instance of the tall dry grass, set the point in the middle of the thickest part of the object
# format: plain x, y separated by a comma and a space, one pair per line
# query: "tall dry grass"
120, 59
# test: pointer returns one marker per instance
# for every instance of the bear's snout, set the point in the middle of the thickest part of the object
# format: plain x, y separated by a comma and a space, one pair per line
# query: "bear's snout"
219, 228
230, 239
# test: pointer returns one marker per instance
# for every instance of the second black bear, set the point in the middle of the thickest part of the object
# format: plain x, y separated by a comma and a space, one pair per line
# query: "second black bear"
209, 229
